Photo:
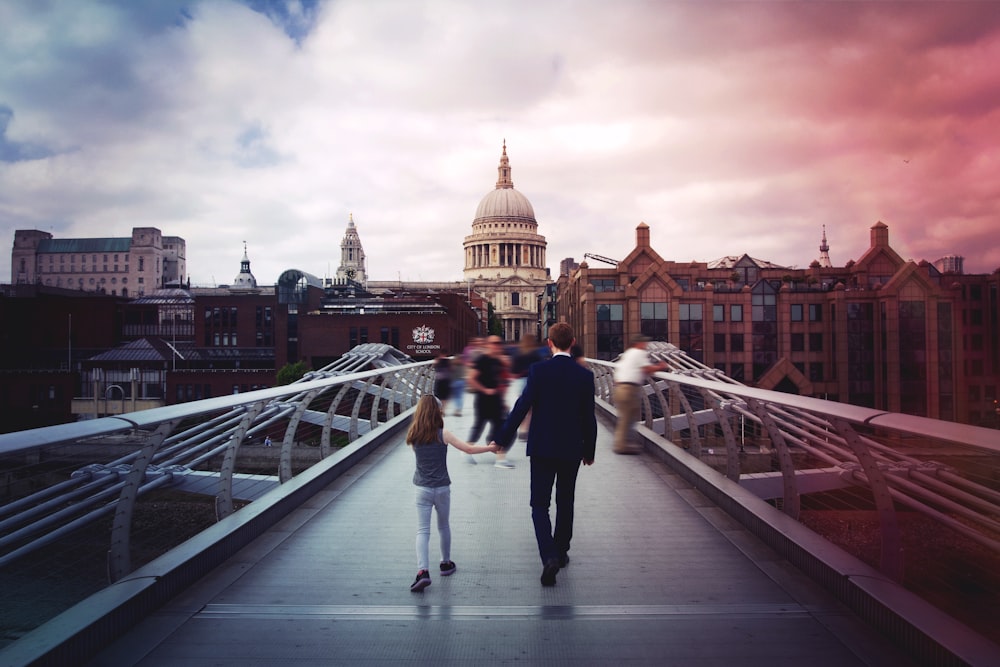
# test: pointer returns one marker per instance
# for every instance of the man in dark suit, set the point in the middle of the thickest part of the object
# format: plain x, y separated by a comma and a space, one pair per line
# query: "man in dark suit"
562, 434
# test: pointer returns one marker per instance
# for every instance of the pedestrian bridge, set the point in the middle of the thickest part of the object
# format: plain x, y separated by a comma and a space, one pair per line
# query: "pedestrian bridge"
756, 528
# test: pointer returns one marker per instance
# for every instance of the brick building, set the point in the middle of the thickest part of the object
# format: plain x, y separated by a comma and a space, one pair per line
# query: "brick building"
880, 332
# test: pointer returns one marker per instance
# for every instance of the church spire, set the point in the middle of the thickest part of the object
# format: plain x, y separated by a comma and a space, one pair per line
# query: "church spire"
824, 251
503, 171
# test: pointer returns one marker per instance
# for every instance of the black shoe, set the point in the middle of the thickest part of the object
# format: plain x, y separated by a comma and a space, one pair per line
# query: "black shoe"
422, 581
549, 572
447, 568
564, 560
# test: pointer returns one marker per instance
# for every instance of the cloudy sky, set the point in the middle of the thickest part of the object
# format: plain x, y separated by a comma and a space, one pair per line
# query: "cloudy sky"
728, 127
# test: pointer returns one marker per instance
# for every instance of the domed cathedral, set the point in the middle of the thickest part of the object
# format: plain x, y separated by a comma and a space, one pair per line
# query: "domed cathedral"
352, 256
505, 256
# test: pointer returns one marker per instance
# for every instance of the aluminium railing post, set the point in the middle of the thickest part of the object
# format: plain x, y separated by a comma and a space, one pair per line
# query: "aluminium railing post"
891, 559
325, 447
224, 498
356, 409
694, 436
723, 417
119, 552
379, 392
288, 441
791, 502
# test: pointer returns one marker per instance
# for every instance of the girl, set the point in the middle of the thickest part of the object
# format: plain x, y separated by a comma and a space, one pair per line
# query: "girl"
430, 445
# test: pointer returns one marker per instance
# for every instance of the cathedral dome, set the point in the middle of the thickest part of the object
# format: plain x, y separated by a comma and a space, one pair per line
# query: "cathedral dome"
505, 203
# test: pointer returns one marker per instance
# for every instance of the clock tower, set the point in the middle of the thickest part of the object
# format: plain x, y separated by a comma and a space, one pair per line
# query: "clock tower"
352, 256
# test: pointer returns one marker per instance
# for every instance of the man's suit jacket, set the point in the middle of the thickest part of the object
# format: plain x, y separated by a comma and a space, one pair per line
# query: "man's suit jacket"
560, 394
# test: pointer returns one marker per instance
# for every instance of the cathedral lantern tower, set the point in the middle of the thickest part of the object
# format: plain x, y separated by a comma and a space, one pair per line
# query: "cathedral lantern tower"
505, 255
352, 256
244, 279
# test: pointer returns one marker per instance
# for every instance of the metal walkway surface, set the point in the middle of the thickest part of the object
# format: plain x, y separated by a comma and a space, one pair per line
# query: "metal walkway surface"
658, 575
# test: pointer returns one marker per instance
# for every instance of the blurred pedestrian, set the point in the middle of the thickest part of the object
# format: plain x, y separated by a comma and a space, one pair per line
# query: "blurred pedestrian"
486, 378
460, 368
631, 371
527, 354
442, 380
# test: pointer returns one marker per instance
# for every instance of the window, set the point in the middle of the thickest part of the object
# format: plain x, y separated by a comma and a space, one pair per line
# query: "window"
736, 312
610, 330
691, 330
913, 357
653, 319
861, 354
796, 312
815, 312
719, 342
603, 284
718, 313
515, 298
798, 342
735, 342
815, 342
816, 372
764, 315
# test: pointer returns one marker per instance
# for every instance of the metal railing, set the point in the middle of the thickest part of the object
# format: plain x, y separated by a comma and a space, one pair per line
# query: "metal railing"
916, 498
84, 504
912, 488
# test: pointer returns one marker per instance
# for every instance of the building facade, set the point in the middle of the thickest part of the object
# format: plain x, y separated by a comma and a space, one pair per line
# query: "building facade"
880, 332
505, 256
133, 266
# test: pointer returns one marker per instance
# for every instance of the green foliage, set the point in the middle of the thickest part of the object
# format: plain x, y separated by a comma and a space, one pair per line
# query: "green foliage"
289, 373
494, 324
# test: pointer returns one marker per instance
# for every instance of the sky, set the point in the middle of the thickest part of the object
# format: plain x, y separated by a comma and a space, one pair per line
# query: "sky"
727, 127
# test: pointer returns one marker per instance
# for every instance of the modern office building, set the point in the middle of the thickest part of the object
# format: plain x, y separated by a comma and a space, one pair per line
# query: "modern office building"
878, 332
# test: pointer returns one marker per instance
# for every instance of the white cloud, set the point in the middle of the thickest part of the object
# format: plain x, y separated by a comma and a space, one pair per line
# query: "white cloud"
737, 127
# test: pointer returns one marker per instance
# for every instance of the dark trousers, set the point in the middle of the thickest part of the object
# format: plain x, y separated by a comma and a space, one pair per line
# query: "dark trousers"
489, 410
546, 472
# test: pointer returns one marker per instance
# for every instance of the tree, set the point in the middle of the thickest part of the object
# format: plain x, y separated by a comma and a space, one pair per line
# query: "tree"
289, 373
494, 323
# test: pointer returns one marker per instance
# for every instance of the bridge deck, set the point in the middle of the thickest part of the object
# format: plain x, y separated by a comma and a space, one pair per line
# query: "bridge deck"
658, 576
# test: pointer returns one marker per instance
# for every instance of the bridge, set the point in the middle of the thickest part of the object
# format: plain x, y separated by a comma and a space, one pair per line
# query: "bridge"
756, 528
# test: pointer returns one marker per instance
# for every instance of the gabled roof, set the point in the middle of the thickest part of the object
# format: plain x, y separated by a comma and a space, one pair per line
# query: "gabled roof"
143, 349
732, 261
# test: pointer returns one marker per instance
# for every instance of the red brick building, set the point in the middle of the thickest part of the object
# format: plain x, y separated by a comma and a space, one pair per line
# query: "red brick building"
879, 332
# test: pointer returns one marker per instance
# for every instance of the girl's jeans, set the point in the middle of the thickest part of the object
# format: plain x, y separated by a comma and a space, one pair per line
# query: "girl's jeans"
438, 498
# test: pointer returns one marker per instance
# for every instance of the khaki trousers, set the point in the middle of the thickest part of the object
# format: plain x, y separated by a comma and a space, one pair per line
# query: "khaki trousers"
627, 405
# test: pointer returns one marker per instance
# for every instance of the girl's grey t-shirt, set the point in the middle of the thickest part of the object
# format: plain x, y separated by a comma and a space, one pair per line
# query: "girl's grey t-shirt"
432, 463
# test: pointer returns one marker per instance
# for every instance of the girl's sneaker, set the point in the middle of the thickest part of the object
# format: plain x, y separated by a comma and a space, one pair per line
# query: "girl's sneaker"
447, 568
422, 581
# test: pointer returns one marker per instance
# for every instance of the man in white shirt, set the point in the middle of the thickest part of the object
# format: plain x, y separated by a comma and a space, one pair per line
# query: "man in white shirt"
630, 374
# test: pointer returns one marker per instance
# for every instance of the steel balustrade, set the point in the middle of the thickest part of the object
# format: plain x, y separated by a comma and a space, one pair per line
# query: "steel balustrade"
856, 446
178, 440
816, 446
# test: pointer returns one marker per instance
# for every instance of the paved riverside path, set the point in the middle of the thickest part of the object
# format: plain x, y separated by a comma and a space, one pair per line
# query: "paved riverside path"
658, 576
